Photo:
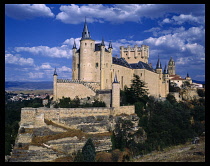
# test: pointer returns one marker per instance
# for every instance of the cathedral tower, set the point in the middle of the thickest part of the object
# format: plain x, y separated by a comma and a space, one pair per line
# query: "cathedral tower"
171, 67
86, 59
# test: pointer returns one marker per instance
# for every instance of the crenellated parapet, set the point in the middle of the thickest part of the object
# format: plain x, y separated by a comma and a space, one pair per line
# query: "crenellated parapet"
135, 54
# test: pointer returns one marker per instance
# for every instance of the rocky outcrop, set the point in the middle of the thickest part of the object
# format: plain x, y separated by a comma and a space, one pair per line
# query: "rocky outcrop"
48, 140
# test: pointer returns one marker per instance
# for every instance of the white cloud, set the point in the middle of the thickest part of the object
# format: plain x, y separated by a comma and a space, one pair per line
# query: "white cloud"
45, 66
34, 75
64, 69
55, 52
27, 11
16, 59
120, 13
184, 18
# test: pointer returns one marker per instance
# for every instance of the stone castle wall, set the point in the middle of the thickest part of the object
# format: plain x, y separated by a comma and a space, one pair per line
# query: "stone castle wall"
69, 89
36, 116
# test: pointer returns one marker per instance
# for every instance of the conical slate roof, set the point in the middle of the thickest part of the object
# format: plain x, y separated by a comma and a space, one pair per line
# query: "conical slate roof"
85, 33
158, 65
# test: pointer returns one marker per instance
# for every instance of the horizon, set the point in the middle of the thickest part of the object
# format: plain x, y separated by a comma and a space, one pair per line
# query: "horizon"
40, 39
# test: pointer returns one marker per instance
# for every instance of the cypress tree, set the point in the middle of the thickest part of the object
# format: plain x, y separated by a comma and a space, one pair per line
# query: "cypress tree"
88, 151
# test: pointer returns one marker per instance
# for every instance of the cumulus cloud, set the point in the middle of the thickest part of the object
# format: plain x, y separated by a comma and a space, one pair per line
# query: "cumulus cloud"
27, 11
120, 13
56, 52
184, 18
35, 75
18, 60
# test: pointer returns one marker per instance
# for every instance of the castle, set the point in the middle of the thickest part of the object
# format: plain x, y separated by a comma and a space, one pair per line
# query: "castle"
94, 69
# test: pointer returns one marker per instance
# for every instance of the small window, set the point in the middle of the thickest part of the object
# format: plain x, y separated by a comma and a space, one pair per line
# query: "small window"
77, 65
85, 43
141, 74
96, 65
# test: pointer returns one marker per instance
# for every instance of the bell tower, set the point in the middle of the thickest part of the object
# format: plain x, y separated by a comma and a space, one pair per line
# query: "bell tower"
171, 67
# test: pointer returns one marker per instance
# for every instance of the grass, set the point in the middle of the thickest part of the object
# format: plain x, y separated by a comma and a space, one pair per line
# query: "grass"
181, 153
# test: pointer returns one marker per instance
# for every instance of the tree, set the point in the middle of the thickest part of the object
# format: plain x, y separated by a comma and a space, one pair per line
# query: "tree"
137, 91
88, 151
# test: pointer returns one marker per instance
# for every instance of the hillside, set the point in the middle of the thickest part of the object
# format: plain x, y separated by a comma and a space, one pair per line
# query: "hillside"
15, 85
181, 153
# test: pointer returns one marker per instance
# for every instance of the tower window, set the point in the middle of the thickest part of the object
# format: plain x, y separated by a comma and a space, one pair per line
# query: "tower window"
85, 43
77, 65
96, 65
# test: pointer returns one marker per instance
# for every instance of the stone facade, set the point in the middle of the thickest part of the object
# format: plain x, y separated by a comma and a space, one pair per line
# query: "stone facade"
93, 64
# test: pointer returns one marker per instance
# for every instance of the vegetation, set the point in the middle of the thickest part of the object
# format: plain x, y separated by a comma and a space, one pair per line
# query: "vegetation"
88, 153
66, 102
12, 118
166, 123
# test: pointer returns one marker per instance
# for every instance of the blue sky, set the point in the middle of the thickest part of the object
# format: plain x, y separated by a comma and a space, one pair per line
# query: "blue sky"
39, 37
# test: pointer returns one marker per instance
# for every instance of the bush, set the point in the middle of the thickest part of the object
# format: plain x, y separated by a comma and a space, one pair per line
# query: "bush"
88, 151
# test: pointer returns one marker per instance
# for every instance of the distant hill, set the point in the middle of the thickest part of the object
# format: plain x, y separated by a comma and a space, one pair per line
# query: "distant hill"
198, 82
15, 85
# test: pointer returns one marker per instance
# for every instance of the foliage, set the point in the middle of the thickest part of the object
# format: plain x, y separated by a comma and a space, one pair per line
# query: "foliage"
12, 118
137, 92
173, 87
79, 157
88, 151
201, 92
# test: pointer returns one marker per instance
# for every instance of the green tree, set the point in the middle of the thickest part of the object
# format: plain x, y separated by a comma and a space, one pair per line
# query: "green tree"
79, 157
137, 91
88, 151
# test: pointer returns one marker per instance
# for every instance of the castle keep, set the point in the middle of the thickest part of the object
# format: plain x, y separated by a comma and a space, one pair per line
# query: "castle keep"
94, 69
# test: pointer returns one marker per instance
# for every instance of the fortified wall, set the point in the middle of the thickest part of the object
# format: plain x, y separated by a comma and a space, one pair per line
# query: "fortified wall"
37, 115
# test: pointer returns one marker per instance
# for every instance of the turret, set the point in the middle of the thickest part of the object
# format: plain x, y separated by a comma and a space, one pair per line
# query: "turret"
85, 33
110, 47
75, 63
158, 66
55, 85
115, 93
188, 78
102, 62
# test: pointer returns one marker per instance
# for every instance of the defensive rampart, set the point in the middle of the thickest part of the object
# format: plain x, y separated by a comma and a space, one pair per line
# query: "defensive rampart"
36, 116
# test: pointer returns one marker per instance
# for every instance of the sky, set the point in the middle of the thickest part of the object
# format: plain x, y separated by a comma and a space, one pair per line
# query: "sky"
39, 37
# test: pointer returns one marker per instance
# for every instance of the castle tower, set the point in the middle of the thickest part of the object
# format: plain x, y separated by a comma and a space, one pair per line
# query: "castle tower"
158, 66
166, 80
86, 58
159, 72
75, 63
188, 79
135, 54
115, 93
102, 62
55, 76
171, 67
110, 47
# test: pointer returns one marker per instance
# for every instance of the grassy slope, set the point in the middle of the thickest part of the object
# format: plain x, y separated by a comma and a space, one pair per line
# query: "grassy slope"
179, 153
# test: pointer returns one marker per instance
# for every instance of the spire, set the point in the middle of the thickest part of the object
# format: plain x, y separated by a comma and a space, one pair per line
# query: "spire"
110, 44
158, 66
102, 43
85, 33
55, 73
115, 79
165, 69
74, 46
188, 75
